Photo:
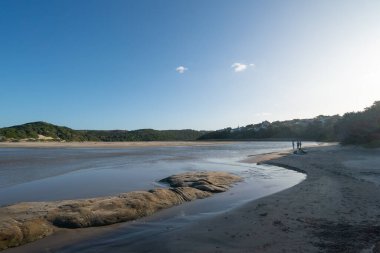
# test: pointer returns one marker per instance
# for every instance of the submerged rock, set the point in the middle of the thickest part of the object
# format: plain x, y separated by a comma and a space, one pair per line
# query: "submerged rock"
26, 222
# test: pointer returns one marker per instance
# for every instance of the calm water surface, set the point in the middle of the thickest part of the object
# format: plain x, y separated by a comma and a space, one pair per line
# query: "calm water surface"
33, 174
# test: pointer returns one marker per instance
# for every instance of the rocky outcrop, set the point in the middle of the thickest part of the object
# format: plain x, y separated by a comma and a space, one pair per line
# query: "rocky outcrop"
204, 181
125, 207
14, 232
26, 222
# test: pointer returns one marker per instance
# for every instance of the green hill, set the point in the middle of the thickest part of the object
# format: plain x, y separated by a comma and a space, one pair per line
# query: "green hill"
142, 135
320, 128
362, 128
358, 128
35, 130
38, 131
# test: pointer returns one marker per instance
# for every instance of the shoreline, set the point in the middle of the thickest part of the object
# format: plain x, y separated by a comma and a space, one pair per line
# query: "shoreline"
336, 209
128, 144
64, 237
91, 144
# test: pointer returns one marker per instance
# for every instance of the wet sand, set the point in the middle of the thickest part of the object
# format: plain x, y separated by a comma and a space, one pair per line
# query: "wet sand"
335, 209
261, 158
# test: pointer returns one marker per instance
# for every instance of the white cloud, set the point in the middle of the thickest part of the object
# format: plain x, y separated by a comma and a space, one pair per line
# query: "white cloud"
263, 114
181, 69
240, 67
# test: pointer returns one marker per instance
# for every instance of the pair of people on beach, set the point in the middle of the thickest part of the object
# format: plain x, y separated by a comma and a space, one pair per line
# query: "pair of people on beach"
299, 144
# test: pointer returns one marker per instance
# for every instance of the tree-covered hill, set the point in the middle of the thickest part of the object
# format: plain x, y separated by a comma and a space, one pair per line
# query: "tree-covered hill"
44, 131
320, 128
36, 130
142, 135
361, 128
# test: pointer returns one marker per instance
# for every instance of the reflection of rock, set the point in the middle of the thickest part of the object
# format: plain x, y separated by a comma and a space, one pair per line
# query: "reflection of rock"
26, 222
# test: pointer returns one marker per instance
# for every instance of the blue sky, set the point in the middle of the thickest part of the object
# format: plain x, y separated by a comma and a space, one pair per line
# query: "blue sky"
185, 64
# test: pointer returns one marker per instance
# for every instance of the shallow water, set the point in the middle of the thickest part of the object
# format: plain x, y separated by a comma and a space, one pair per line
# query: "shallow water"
32, 174
133, 236
68, 173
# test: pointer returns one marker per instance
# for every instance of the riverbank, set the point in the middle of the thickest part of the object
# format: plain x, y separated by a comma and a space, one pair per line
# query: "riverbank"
336, 209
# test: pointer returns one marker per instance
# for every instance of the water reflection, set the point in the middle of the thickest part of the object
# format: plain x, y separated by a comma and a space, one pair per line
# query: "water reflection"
69, 173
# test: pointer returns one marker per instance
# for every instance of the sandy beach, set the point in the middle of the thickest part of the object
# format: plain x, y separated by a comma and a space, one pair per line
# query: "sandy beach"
336, 209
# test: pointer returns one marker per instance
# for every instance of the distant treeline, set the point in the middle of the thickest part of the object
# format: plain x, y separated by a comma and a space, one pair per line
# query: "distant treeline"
321, 128
361, 128
143, 135
352, 128
44, 131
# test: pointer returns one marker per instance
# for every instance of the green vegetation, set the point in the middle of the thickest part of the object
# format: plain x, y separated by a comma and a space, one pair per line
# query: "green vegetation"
320, 128
32, 131
359, 128
142, 135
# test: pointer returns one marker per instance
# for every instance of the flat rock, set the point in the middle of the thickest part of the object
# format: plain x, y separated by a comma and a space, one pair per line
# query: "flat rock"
205, 181
26, 222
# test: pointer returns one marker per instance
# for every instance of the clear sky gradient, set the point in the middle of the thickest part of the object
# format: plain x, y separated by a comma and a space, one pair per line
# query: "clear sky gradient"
185, 64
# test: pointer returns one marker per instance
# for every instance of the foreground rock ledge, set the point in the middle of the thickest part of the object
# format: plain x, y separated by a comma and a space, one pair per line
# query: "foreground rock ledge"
26, 222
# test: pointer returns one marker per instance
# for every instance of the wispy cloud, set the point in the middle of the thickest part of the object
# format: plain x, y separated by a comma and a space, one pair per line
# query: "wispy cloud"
263, 114
181, 69
240, 67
